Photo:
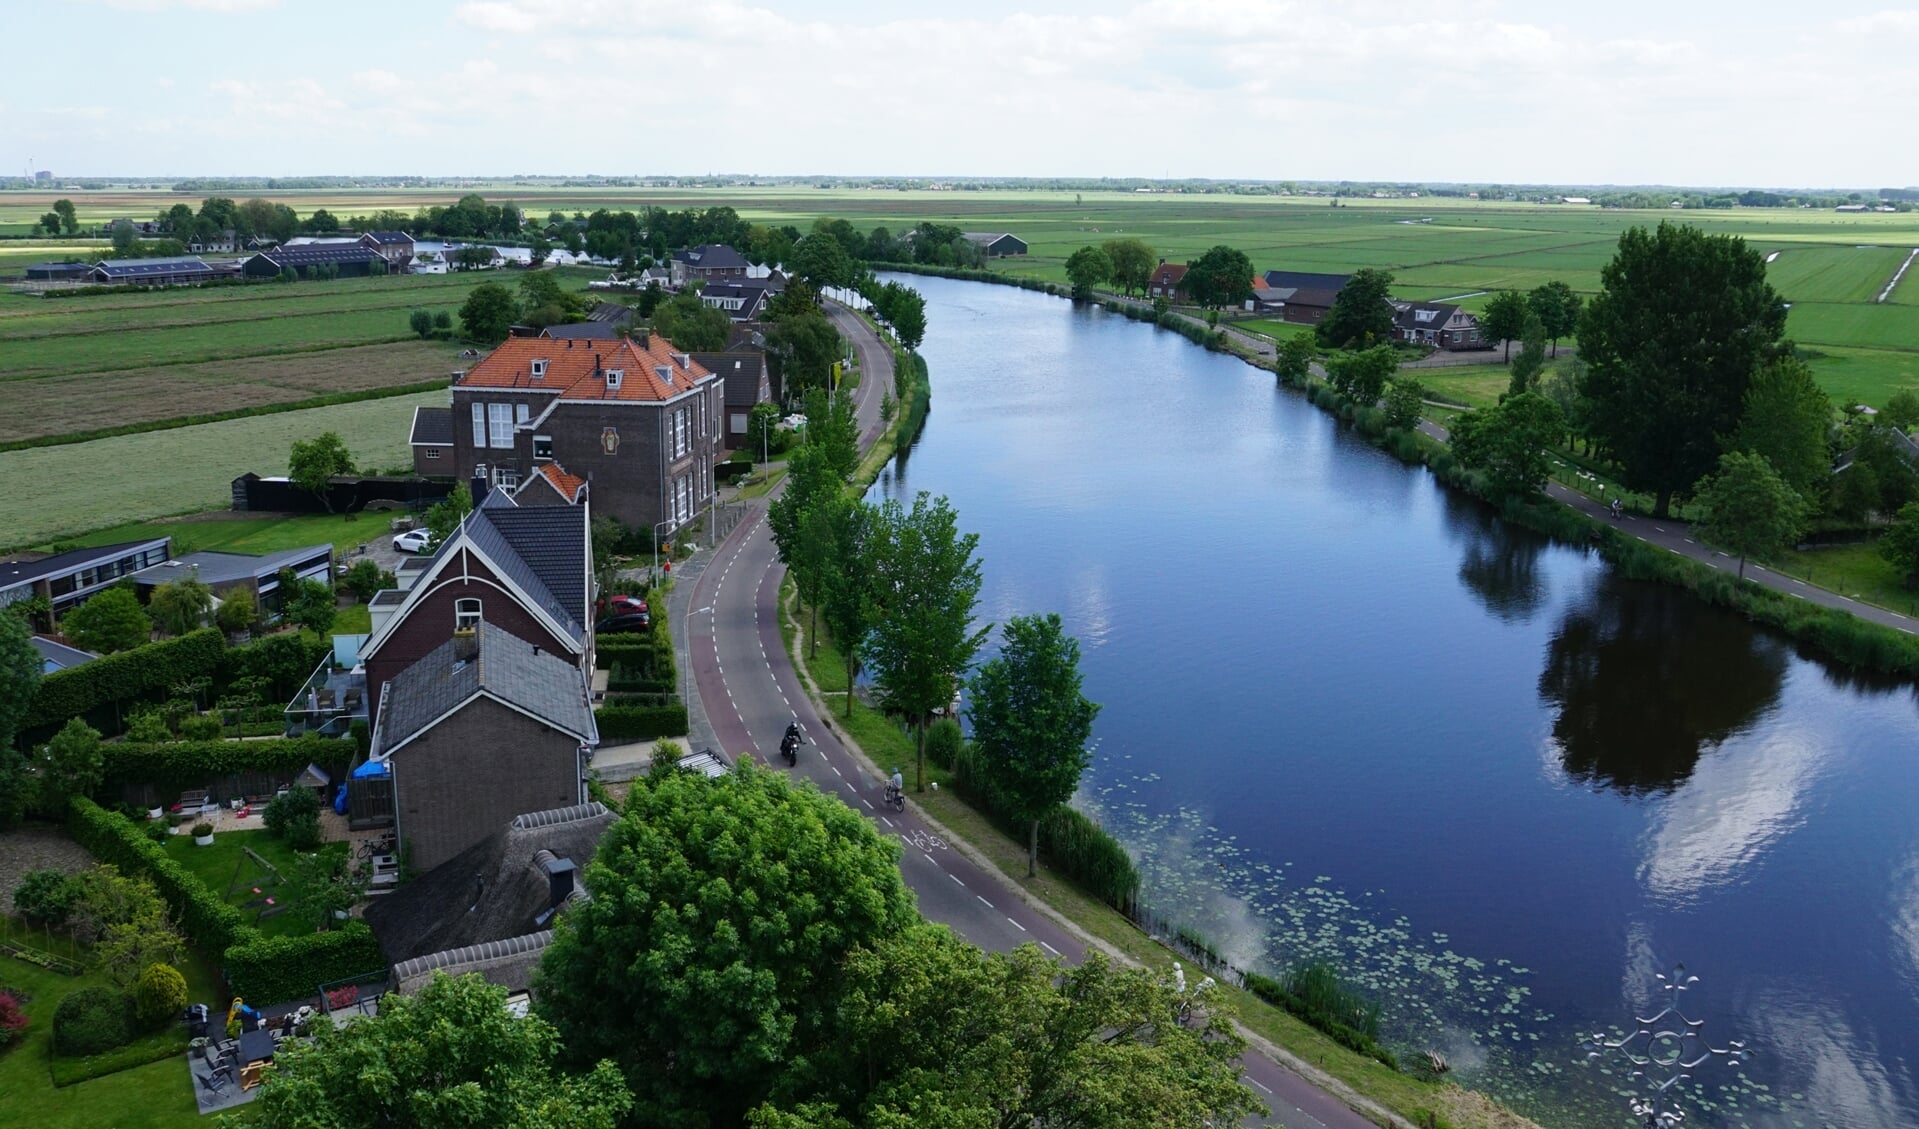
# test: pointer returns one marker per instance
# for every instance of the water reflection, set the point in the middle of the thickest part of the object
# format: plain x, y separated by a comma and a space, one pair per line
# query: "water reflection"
1500, 564
1738, 804
1645, 678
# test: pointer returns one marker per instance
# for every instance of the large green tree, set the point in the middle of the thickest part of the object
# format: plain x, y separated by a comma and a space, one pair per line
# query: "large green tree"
1557, 308
926, 585
692, 325
1132, 262
845, 596
109, 621
1222, 276
1900, 544
1532, 356
64, 209
450, 1057
179, 606
1511, 443
1749, 509
1031, 722
69, 765
1293, 362
801, 348
822, 261
707, 963
934, 1032
313, 462
1504, 319
488, 312
1671, 342
1086, 268
1787, 419
832, 424
19, 682
1361, 377
1362, 315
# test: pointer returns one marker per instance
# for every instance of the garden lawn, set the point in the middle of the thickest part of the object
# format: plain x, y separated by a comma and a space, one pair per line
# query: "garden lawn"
1477, 386
126, 478
216, 866
1268, 327
355, 619
152, 1096
235, 532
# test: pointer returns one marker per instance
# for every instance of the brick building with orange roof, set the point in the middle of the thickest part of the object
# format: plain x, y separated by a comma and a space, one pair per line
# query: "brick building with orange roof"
633, 419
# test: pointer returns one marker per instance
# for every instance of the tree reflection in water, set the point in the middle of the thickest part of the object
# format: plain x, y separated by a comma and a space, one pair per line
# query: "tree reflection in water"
1646, 677
1500, 562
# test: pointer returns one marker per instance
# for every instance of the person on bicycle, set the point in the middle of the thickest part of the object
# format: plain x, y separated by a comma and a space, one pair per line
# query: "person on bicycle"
897, 783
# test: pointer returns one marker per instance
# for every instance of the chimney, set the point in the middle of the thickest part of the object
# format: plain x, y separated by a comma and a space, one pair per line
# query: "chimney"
559, 880
478, 488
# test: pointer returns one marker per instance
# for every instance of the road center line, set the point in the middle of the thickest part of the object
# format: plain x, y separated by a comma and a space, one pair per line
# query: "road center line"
1258, 1083
954, 877
1049, 948
1017, 925
983, 901
929, 858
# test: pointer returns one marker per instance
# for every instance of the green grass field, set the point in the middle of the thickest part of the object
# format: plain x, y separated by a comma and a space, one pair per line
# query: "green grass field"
218, 865
88, 486
158, 1095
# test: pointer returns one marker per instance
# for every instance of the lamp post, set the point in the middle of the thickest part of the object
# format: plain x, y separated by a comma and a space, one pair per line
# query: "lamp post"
656, 548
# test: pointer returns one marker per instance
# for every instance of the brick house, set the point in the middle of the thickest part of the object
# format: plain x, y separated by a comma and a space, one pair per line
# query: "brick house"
1439, 324
1165, 279
396, 247
524, 569
550, 485
483, 727
431, 439
743, 371
1301, 297
637, 420
709, 262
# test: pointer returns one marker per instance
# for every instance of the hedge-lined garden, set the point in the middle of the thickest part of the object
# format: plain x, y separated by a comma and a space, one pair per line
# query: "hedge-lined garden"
642, 701
260, 969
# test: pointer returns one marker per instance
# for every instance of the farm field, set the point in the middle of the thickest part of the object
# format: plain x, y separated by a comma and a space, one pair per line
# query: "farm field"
90, 401
239, 532
1834, 274
104, 482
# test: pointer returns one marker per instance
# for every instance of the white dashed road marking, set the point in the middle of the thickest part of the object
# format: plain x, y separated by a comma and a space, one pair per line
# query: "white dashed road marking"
954, 877
1017, 925
1049, 948
983, 901
1260, 1084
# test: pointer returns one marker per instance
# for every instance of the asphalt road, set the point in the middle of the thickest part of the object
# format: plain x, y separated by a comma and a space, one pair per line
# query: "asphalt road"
749, 692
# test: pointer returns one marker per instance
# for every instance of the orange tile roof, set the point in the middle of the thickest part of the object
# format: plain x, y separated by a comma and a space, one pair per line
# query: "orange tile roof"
578, 369
567, 484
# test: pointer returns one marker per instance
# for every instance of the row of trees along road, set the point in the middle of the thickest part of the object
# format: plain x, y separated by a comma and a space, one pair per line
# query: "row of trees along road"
1220, 277
750, 956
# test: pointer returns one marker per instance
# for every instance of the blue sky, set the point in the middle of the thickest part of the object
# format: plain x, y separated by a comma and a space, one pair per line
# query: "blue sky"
1682, 92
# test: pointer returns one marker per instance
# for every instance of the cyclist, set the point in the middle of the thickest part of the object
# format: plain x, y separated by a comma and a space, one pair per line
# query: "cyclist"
895, 785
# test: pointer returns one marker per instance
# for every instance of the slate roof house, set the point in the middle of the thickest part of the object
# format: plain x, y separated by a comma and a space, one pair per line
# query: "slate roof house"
524, 569
995, 244
431, 440
480, 728
396, 247
636, 419
66, 579
743, 372
707, 263
350, 260
1439, 324
1165, 279
742, 301
1302, 297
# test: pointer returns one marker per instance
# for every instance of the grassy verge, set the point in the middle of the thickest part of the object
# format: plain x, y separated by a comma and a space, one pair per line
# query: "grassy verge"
1852, 570
886, 743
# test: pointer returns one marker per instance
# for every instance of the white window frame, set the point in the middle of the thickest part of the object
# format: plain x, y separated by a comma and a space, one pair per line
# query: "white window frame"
506, 479
543, 446
467, 612
499, 421
614, 376
479, 425
521, 413
539, 369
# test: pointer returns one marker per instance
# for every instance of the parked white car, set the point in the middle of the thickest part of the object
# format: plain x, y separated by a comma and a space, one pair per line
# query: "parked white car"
412, 541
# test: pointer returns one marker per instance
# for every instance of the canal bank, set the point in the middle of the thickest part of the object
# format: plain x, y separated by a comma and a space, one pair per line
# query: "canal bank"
1322, 735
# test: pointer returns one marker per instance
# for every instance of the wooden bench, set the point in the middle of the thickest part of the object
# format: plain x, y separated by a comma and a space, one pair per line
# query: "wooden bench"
192, 801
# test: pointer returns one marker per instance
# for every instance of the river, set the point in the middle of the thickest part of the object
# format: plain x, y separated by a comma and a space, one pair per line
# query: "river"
1348, 713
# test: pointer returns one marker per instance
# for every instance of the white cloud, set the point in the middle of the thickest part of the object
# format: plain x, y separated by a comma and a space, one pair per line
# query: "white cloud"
192, 5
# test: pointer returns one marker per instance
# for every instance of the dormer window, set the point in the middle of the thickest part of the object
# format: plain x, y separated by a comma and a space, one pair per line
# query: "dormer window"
539, 369
613, 376
666, 373
466, 616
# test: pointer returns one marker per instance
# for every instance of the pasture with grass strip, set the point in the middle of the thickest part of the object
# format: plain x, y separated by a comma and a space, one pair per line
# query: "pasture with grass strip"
71, 407
86, 486
1833, 274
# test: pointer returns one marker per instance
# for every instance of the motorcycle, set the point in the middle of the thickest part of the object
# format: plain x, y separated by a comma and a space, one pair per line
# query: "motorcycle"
790, 747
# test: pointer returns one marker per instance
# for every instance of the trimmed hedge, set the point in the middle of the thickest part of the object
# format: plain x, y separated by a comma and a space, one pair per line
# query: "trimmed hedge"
264, 970
190, 764
621, 683
111, 837
92, 1020
78, 690
641, 723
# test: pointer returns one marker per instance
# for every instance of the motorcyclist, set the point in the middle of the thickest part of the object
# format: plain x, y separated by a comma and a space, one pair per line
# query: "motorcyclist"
793, 732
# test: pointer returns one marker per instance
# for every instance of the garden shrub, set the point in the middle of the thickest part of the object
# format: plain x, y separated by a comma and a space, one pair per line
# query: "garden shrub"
159, 996
641, 723
294, 816
266, 970
45, 897
122, 677
13, 1020
943, 740
200, 727
92, 1020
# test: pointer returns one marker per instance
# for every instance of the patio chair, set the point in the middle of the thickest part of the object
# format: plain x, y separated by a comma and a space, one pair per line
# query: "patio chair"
210, 1083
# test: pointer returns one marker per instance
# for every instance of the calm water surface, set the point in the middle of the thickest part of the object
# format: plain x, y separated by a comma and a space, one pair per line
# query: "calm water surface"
1349, 713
